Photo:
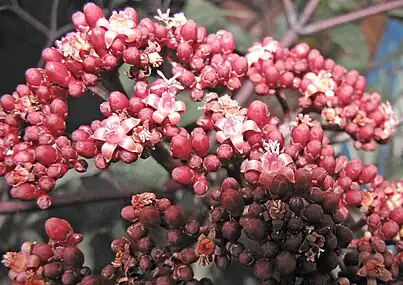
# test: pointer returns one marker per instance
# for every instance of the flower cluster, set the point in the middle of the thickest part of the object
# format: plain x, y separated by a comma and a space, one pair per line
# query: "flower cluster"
325, 87
275, 204
59, 261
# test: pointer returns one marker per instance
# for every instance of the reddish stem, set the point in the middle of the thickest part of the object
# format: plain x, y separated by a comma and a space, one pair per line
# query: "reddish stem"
350, 17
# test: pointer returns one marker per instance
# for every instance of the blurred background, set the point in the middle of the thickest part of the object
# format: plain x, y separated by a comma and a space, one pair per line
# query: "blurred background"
374, 46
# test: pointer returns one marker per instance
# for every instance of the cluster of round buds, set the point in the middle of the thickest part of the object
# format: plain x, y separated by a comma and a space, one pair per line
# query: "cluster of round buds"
299, 235
325, 87
370, 260
139, 257
58, 262
382, 203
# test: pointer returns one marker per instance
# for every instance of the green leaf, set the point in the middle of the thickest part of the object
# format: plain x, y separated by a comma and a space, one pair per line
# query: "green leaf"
192, 109
213, 18
396, 13
126, 82
352, 42
144, 173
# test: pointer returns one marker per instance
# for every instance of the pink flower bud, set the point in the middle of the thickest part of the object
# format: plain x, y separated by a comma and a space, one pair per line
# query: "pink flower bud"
184, 51
189, 31
353, 198
34, 76
258, 112
353, 169
79, 21
367, 174
58, 229
92, 13
51, 54
200, 187
183, 175
57, 73
45, 154
118, 101
25, 191
231, 201
150, 217
174, 216
397, 215
200, 142
132, 56
224, 152
211, 163
181, 146
389, 229
300, 135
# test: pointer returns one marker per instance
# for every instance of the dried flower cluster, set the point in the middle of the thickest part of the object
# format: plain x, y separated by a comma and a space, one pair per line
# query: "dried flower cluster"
280, 210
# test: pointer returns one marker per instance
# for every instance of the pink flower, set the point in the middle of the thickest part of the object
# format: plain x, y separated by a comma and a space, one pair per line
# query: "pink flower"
120, 23
271, 162
390, 124
114, 133
223, 105
168, 85
166, 107
321, 82
261, 52
176, 20
73, 45
232, 127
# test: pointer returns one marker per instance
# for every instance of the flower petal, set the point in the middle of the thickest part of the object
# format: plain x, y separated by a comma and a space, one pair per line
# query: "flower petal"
128, 143
129, 124
180, 106
99, 134
174, 118
103, 22
152, 100
237, 141
131, 35
110, 36
158, 117
250, 125
221, 123
221, 137
107, 150
252, 165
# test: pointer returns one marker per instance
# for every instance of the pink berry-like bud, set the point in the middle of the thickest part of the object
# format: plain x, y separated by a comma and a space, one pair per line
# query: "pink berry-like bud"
231, 201
92, 13
211, 163
368, 174
34, 76
189, 31
390, 229
118, 101
300, 135
224, 152
200, 187
77, 88
174, 216
57, 73
397, 215
181, 146
51, 54
183, 175
353, 169
200, 142
25, 191
45, 154
58, 229
150, 217
258, 112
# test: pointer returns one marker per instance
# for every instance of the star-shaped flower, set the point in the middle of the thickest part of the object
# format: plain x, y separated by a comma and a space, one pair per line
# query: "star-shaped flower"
321, 82
120, 24
205, 248
114, 133
166, 107
233, 127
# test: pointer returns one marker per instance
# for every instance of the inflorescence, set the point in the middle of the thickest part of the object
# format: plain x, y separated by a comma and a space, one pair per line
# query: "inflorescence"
280, 210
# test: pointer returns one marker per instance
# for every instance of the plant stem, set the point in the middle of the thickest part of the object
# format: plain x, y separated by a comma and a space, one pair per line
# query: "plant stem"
16, 8
100, 91
290, 11
162, 156
283, 103
349, 17
11, 207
